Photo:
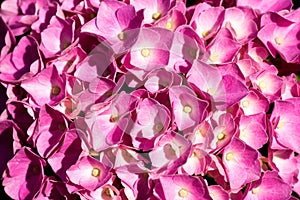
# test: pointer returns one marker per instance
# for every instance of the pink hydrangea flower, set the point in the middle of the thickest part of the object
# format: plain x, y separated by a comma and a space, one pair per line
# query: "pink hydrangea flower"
271, 186
152, 120
223, 91
188, 110
118, 24
197, 162
207, 20
216, 192
254, 103
174, 18
66, 154
253, 130
88, 173
47, 87
160, 80
280, 35
105, 123
150, 51
58, 36
153, 10
285, 118
265, 6
19, 62
182, 187
49, 131
170, 151
268, 83
7, 39
24, 174
241, 161
223, 40
241, 24
286, 164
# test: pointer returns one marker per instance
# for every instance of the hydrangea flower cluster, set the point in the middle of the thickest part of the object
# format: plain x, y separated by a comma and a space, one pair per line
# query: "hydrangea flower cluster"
150, 99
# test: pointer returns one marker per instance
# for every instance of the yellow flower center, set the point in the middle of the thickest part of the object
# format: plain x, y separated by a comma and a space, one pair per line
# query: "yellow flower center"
170, 151
169, 25
210, 91
107, 192
156, 16
262, 85
159, 127
96, 172
242, 133
255, 190
145, 52
205, 33
121, 35
229, 156
196, 154
213, 57
182, 193
200, 132
221, 136
245, 103
280, 124
187, 109
55, 90
279, 40
93, 153
113, 118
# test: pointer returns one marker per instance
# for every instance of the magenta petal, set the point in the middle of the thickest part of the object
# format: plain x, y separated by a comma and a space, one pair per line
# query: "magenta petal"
107, 21
281, 37
153, 9
198, 162
105, 123
207, 79
159, 80
286, 163
268, 82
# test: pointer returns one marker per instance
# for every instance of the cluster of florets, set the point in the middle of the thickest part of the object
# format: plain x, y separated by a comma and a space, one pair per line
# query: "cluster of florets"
150, 99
